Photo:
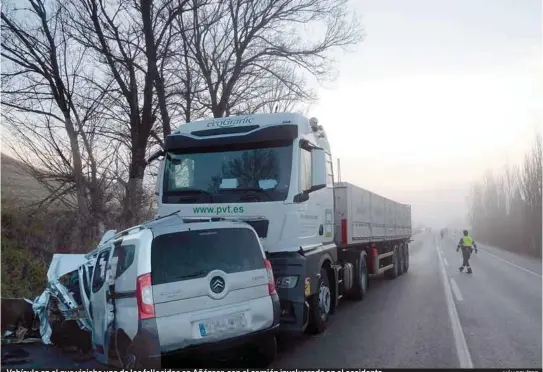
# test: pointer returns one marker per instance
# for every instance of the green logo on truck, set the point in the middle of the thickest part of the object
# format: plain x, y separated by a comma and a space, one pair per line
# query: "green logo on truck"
217, 210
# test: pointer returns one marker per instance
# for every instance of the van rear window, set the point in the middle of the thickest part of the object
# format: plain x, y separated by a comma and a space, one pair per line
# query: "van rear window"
193, 254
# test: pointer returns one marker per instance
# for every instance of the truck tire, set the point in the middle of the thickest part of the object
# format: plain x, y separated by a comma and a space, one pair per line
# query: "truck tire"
320, 305
361, 279
406, 257
401, 260
393, 273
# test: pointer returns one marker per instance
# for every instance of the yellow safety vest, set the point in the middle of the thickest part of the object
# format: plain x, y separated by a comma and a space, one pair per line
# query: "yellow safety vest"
467, 241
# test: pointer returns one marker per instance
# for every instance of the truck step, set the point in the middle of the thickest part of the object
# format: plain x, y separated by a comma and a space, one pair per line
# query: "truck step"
381, 271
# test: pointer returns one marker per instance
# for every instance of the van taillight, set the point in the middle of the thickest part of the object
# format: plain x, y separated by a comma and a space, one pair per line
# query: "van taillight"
271, 281
144, 293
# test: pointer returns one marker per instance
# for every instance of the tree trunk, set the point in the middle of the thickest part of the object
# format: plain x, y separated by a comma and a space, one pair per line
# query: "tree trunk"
134, 188
83, 216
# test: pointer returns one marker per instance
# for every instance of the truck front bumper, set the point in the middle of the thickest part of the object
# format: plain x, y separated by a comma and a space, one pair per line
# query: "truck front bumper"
294, 309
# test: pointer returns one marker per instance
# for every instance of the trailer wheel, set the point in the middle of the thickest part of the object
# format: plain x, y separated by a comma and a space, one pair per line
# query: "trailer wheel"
360, 286
393, 272
406, 257
320, 304
401, 260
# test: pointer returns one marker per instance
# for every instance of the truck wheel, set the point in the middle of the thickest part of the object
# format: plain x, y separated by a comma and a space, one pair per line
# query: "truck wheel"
393, 273
401, 260
406, 257
320, 304
360, 286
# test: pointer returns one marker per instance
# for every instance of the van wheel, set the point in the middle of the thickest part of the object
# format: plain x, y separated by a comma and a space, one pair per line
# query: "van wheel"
320, 304
132, 359
360, 285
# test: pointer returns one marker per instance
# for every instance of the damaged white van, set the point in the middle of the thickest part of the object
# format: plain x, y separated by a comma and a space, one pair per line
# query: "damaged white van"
176, 286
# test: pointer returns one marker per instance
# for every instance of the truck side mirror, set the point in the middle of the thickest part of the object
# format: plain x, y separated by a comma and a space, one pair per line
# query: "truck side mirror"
160, 177
318, 169
155, 156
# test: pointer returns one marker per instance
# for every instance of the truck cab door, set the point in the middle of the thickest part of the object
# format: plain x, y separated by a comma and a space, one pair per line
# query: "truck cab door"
99, 307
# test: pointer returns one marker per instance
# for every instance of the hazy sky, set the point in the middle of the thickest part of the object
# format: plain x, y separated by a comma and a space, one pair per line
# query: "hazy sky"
438, 92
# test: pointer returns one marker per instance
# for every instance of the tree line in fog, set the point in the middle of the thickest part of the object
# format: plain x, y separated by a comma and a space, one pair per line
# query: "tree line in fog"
506, 207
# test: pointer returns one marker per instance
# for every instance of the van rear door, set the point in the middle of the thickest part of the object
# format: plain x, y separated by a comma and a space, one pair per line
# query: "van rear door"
209, 284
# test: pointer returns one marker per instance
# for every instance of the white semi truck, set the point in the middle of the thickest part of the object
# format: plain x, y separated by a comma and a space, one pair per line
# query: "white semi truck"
324, 239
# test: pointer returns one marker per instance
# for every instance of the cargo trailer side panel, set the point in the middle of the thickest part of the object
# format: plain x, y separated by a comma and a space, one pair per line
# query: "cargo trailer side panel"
360, 205
378, 216
408, 221
341, 213
363, 216
390, 212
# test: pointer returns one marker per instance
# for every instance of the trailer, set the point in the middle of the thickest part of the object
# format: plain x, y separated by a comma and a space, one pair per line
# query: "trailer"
377, 225
324, 239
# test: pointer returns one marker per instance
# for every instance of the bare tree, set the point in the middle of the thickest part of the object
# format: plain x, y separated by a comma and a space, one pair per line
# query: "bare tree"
506, 209
49, 108
531, 190
236, 44
129, 38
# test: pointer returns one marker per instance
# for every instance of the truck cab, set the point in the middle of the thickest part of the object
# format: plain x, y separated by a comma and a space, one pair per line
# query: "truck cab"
272, 171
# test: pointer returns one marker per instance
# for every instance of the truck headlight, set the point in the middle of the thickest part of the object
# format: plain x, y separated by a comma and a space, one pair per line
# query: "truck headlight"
286, 281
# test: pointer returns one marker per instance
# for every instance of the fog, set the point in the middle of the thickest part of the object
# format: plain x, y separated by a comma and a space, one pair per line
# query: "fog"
438, 93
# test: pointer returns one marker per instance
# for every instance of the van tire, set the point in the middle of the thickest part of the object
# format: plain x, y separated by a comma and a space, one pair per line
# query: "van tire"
317, 320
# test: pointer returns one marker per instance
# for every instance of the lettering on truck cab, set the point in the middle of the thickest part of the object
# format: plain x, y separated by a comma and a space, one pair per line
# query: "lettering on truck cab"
218, 210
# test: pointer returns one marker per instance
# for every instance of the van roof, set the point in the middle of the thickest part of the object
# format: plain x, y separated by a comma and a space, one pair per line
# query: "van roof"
165, 222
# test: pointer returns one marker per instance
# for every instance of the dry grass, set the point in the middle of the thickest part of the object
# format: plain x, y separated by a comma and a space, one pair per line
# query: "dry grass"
17, 183
28, 238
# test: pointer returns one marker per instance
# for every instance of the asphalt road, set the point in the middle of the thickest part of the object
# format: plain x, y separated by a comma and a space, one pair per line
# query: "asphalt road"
431, 317
435, 316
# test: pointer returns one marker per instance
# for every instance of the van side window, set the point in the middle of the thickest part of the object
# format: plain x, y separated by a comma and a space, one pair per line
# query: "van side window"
99, 276
125, 254
305, 169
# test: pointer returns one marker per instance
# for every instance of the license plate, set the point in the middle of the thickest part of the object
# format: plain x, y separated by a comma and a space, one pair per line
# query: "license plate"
225, 324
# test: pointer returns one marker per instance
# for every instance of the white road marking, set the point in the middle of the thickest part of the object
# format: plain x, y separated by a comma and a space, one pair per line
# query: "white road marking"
445, 261
456, 290
512, 264
462, 350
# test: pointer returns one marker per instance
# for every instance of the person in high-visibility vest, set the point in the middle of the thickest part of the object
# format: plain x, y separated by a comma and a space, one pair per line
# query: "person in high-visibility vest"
467, 244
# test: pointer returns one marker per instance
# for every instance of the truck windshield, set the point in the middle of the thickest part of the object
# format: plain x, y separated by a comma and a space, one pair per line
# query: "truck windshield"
241, 174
